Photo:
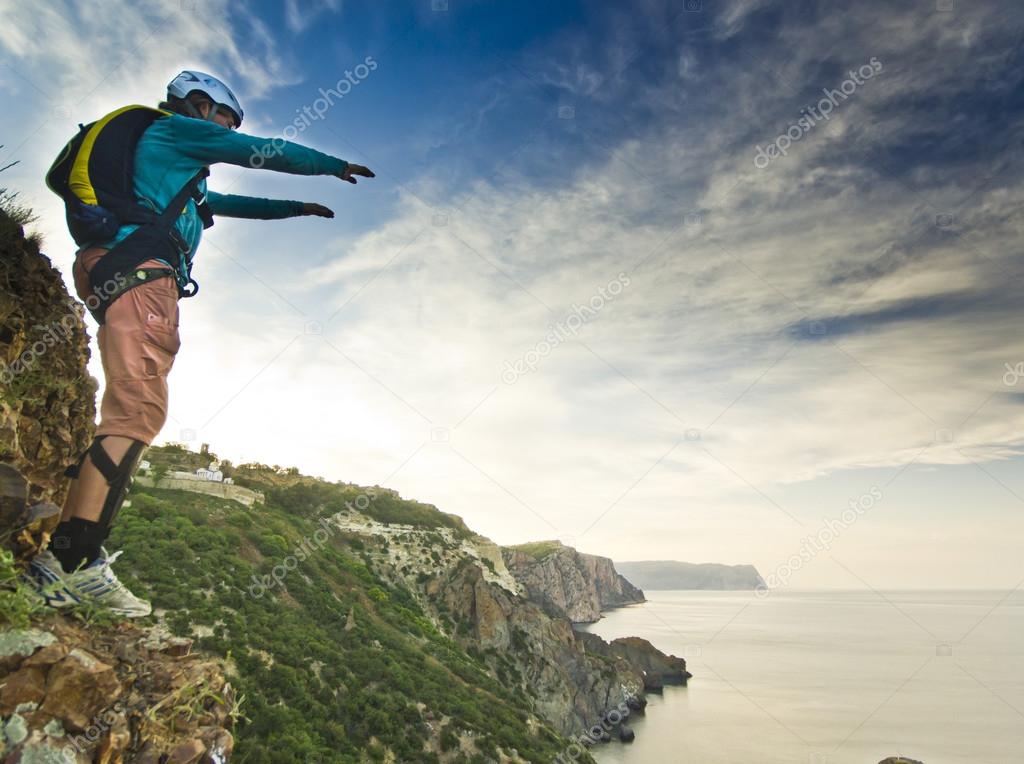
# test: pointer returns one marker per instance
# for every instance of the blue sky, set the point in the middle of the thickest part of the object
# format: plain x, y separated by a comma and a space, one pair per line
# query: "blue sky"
775, 338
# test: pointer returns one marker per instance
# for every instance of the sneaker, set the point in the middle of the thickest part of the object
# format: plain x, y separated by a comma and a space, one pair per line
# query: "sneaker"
96, 583
46, 575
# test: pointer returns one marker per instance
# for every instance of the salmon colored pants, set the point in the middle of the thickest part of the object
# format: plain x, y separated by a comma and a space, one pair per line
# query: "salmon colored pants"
138, 343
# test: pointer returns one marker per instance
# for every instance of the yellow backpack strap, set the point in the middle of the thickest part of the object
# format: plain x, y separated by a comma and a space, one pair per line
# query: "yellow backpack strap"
79, 181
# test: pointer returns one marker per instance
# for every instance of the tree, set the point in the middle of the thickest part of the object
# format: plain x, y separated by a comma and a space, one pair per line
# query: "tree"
159, 472
9, 165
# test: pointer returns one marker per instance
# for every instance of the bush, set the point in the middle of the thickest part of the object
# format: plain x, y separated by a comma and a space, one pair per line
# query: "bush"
149, 507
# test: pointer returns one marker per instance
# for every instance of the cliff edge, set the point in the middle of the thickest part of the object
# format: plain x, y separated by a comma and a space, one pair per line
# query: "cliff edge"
568, 582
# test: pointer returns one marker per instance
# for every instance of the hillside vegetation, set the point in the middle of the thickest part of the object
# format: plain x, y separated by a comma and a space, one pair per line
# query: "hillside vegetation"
335, 664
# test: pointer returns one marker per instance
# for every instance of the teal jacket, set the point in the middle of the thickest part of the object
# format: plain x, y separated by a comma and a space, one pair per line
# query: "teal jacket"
173, 149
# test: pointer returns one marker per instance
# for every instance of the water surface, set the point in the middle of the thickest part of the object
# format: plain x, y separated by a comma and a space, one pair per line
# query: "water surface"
830, 677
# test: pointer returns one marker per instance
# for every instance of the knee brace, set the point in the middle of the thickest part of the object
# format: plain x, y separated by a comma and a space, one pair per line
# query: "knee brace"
118, 476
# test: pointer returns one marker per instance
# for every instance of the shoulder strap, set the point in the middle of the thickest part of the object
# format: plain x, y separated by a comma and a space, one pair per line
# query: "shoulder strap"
174, 207
102, 171
203, 208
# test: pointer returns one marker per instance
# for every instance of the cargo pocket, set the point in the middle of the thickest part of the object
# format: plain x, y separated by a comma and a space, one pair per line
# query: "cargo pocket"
159, 314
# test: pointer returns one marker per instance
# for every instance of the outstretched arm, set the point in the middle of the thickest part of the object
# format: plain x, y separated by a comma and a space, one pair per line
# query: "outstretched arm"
209, 143
255, 208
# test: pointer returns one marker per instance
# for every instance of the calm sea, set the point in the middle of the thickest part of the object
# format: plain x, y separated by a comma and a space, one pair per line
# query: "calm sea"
830, 677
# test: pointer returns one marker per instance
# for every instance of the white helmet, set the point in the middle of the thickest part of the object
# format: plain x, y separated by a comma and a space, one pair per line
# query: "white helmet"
190, 81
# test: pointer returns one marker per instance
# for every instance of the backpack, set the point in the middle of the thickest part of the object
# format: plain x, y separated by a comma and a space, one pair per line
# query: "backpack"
94, 174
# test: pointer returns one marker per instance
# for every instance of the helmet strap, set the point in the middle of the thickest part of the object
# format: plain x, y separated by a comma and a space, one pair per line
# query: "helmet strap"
190, 109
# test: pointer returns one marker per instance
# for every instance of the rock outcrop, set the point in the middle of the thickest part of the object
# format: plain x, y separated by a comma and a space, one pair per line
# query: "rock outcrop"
656, 668
73, 694
571, 690
47, 397
672, 574
568, 582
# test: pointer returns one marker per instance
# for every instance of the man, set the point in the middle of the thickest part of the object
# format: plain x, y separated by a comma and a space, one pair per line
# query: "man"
138, 337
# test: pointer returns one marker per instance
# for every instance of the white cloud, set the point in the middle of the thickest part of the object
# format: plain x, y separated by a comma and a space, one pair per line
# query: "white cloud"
300, 16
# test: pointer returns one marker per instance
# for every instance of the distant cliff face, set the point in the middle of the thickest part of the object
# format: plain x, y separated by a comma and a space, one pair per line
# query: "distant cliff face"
671, 574
578, 585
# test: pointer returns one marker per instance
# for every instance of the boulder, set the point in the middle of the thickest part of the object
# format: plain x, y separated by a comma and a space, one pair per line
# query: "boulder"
79, 687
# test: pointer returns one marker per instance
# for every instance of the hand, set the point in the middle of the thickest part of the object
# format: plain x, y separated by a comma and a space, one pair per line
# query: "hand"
356, 169
312, 208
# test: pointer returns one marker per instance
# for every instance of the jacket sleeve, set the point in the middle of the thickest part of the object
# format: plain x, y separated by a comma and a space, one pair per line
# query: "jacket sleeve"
234, 206
209, 142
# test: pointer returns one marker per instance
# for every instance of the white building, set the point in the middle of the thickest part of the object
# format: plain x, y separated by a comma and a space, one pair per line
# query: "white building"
212, 473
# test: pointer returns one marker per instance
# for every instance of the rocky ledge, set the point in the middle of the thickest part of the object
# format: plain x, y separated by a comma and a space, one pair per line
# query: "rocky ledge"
74, 695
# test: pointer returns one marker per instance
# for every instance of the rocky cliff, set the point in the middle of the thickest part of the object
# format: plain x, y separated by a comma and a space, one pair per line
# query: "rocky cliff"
568, 582
47, 397
575, 678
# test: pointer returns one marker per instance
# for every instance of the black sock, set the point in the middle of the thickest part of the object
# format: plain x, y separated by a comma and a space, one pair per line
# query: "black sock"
77, 542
